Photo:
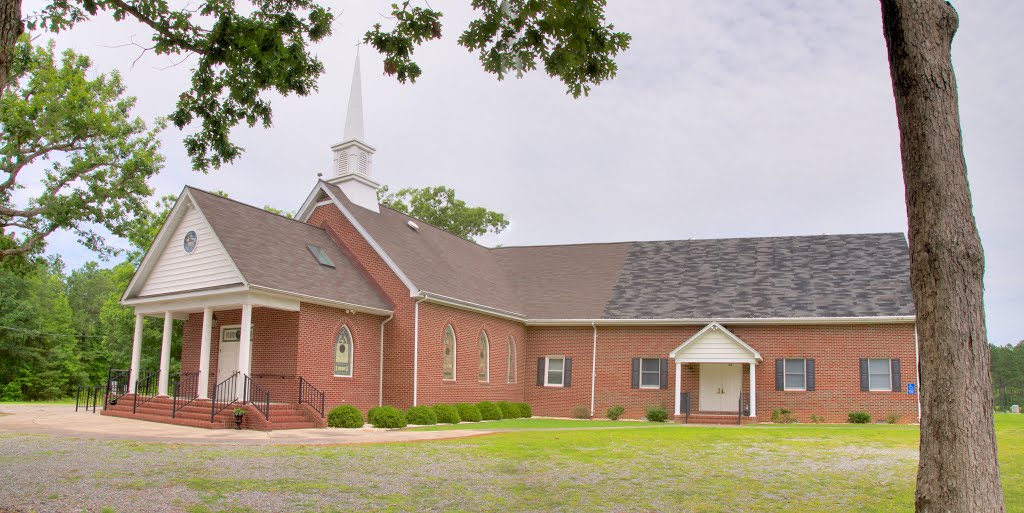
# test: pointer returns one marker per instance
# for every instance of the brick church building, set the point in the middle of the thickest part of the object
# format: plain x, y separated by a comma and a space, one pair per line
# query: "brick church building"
354, 303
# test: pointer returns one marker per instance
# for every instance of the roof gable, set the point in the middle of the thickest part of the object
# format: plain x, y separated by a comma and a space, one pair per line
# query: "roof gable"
715, 344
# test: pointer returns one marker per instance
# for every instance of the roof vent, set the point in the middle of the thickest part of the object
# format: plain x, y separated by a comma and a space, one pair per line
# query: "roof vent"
413, 225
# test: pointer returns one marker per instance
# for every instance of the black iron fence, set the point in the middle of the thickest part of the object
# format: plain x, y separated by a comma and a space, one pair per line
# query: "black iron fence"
311, 395
146, 388
117, 385
88, 396
257, 396
685, 405
225, 394
186, 390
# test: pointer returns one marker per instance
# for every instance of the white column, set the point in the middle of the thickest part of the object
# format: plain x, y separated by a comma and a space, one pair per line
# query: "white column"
244, 348
133, 374
753, 390
679, 382
165, 354
204, 354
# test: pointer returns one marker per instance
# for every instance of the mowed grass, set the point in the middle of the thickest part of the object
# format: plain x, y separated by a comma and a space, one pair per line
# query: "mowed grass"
540, 423
800, 468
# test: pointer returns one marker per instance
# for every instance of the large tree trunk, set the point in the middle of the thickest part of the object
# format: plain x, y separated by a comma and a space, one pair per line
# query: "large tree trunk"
10, 28
958, 470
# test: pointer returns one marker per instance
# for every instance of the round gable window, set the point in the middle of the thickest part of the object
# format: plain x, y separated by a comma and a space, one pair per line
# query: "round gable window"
191, 240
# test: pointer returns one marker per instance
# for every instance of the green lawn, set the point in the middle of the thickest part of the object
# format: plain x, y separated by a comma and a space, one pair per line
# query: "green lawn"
799, 468
519, 424
66, 400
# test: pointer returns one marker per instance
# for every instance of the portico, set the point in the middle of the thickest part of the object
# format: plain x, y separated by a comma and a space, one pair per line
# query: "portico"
720, 356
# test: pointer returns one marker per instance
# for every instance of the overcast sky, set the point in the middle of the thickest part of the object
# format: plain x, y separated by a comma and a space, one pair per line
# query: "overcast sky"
727, 119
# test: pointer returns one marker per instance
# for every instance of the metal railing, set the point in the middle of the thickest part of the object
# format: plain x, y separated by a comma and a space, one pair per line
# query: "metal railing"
684, 406
146, 388
258, 397
311, 395
186, 390
92, 397
117, 385
225, 394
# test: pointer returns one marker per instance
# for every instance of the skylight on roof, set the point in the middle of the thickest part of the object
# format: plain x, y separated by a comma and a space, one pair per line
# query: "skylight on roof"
320, 255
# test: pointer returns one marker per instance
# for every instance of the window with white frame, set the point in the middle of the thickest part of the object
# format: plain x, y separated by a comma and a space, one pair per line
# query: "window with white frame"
795, 374
484, 364
554, 371
448, 363
511, 359
343, 353
650, 373
879, 374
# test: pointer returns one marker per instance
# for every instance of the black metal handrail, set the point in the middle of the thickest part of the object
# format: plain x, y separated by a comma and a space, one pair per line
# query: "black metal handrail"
259, 398
311, 395
186, 390
684, 406
744, 403
225, 394
146, 388
117, 385
92, 396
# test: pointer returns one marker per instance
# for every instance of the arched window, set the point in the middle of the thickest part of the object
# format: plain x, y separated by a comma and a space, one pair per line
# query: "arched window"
511, 359
484, 365
343, 353
448, 367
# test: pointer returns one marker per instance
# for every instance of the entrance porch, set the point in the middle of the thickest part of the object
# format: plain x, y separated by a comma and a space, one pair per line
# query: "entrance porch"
721, 363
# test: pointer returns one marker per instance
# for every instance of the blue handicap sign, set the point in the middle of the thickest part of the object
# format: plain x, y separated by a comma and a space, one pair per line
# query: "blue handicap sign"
911, 388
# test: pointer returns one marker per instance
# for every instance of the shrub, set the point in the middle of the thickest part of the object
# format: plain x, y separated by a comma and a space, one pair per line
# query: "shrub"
817, 419
446, 414
373, 413
488, 410
421, 416
468, 412
657, 413
388, 417
508, 410
783, 416
615, 412
859, 417
892, 418
525, 411
345, 416
581, 412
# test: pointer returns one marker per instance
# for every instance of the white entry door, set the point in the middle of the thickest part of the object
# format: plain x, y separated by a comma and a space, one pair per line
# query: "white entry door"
227, 356
720, 385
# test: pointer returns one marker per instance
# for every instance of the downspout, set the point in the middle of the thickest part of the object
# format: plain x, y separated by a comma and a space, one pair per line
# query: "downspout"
380, 373
593, 370
416, 351
917, 372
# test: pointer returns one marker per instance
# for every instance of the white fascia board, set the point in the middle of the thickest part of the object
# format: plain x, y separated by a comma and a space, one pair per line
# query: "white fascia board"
431, 297
897, 319
717, 327
221, 298
307, 210
324, 302
751, 361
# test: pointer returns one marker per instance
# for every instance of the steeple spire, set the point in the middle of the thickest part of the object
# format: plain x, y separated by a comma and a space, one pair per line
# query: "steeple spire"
354, 119
353, 158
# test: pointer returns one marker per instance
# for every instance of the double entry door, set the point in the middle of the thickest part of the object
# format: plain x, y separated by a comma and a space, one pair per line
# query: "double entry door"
720, 386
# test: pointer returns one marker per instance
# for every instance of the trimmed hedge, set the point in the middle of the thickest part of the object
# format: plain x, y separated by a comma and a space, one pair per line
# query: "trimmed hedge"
508, 410
387, 417
488, 410
468, 412
615, 412
858, 417
345, 416
525, 411
446, 414
421, 416
657, 414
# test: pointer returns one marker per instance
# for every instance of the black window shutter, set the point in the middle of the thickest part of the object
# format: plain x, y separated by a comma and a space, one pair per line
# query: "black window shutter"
863, 374
635, 383
810, 374
780, 375
897, 384
540, 371
664, 373
568, 373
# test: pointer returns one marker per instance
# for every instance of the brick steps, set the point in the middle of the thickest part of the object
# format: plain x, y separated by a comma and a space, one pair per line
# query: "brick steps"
713, 419
197, 414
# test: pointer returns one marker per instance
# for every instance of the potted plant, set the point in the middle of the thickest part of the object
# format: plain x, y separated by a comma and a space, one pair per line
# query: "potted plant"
239, 415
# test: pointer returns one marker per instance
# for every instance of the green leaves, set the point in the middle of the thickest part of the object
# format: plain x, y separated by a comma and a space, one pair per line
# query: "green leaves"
439, 207
413, 27
77, 133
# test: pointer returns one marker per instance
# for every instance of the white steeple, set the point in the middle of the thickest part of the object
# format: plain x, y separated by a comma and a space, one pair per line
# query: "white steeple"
353, 158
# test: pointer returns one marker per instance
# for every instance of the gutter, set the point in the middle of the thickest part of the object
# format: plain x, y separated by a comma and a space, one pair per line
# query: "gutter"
895, 319
416, 351
380, 373
593, 371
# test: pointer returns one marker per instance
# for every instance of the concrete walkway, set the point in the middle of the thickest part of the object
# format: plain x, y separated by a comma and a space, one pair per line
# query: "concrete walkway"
64, 421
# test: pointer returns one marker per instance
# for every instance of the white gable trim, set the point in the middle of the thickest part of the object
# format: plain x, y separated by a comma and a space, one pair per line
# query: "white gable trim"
307, 209
234, 297
152, 256
755, 356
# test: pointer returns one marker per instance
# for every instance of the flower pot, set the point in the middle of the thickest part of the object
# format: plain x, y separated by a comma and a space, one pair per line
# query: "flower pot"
238, 421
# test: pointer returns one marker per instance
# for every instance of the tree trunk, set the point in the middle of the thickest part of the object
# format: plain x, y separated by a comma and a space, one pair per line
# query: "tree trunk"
958, 469
11, 27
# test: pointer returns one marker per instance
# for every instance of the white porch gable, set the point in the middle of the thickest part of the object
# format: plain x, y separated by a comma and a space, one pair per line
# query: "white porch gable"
715, 344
